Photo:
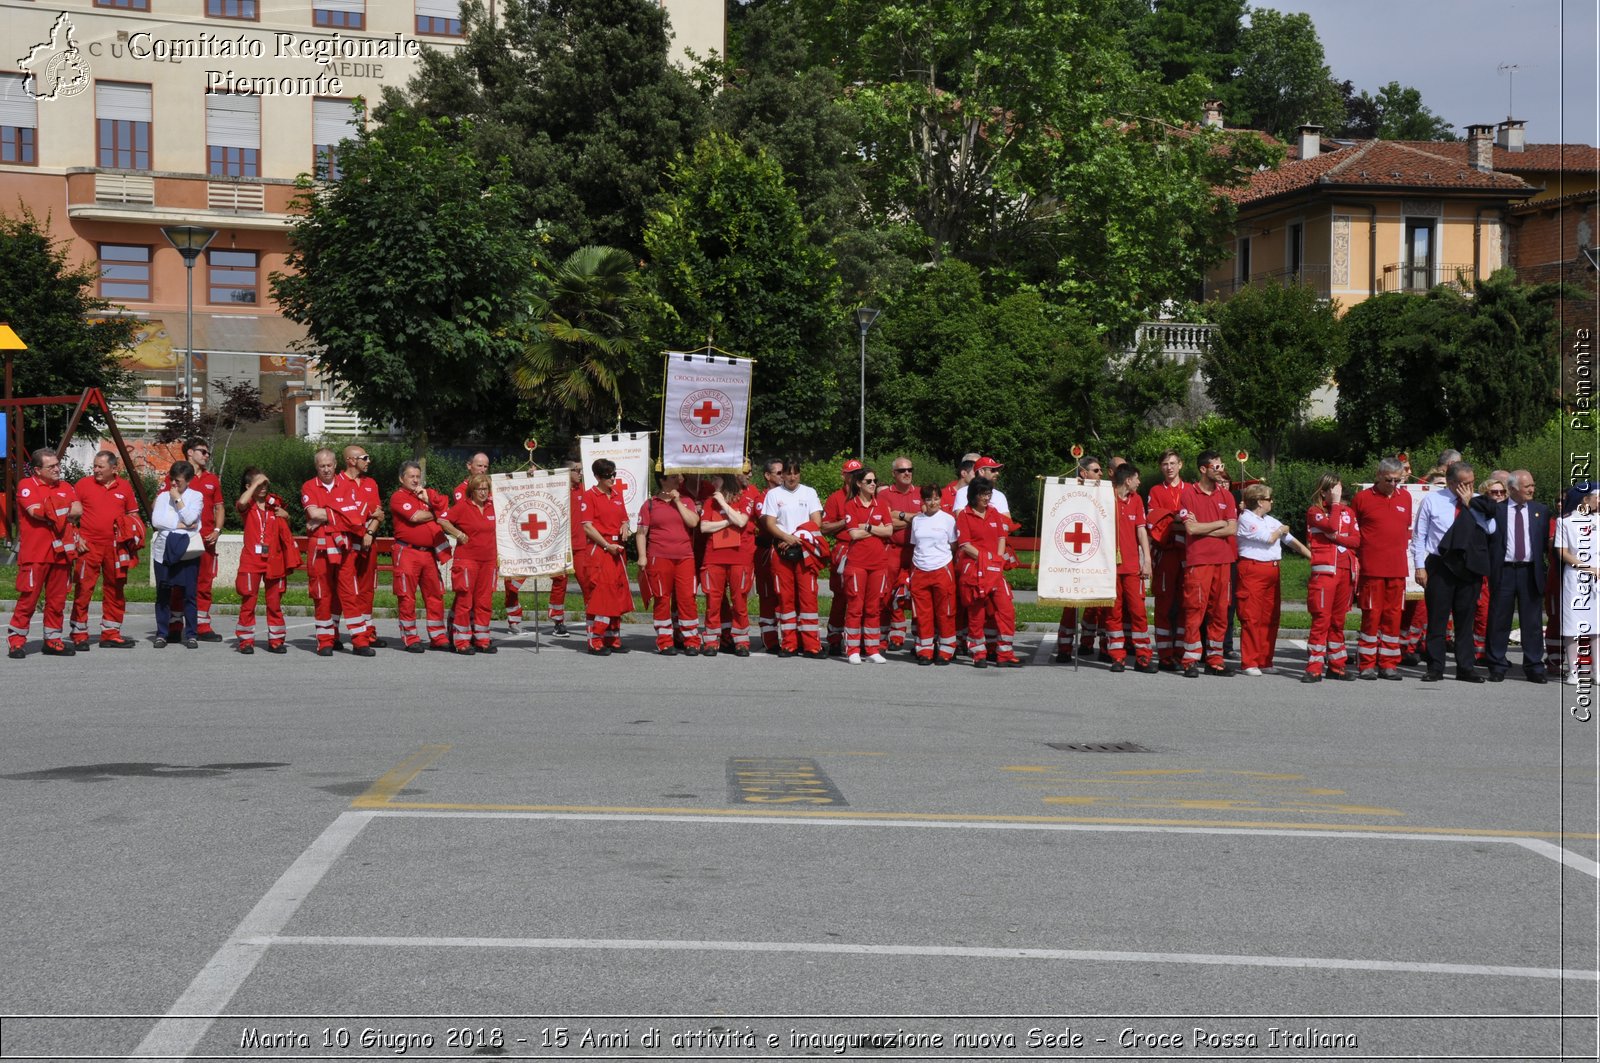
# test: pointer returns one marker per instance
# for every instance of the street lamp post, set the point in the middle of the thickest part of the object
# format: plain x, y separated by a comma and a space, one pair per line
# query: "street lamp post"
190, 240
865, 316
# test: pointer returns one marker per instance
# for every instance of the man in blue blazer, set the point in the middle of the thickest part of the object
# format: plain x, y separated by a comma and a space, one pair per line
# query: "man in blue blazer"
1517, 549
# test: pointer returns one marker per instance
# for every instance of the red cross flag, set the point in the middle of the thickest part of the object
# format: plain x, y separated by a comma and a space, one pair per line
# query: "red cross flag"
532, 514
1077, 542
705, 413
631, 453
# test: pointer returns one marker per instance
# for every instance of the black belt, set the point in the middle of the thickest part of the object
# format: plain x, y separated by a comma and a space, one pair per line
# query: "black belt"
1518, 564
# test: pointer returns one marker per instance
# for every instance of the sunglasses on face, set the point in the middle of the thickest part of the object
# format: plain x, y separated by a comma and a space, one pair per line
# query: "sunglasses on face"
907, 468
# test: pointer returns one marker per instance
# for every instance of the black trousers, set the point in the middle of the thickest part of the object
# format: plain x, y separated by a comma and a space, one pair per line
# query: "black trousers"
1515, 590
1450, 596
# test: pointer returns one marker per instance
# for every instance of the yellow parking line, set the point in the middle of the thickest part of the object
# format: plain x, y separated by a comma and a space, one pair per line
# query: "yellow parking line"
382, 793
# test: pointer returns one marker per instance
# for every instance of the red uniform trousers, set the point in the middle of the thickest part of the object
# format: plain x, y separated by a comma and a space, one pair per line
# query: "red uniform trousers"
473, 582
1328, 598
512, 594
896, 597
1167, 585
365, 573
1096, 618
205, 580
1414, 625
33, 581
727, 603
669, 579
331, 583
1259, 598
558, 600
415, 569
991, 621
250, 586
864, 590
766, 598
933, 601
605, 580
797, 605
97, 562
1480, 622
1382, 598
1205, 612
1125, 621
837, 605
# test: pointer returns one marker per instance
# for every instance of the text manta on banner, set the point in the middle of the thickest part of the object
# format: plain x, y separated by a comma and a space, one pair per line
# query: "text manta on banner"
705, 413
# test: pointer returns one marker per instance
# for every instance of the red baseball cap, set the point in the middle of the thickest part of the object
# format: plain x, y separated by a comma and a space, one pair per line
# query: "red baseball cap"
987, 463
851, 466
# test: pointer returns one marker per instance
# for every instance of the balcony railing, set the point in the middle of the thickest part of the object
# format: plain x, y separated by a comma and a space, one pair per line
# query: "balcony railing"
145, 417
1404, 277
333, 420
237, 198
1314, 277
131, 188
1181, 340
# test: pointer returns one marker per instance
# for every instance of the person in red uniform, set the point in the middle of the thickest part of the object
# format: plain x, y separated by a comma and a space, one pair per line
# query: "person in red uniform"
421, 518
48, 511
198, 453
332, 516
787, 510
665, 541
558, 582
511, 590
864, 570
1210, 519
980, 578
904, 500
1333, 535
833, 526
1383, 514
1167, 542
472, 569
1125, 619
365, 490
107, 500
606, 596
933, 584
1095, 618
267, 558
727, 521
766, 581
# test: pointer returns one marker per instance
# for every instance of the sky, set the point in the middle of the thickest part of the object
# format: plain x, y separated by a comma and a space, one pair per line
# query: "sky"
1451, 50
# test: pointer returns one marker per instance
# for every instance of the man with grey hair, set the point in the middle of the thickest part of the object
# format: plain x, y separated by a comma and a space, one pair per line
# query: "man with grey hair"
1383, 512
1517, 577
1450, 550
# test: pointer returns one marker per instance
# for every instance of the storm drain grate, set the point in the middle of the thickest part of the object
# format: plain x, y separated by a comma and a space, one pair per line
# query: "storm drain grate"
1099, 747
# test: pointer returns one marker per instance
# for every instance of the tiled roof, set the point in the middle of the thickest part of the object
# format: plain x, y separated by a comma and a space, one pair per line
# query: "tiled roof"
1535, 158
1379, 164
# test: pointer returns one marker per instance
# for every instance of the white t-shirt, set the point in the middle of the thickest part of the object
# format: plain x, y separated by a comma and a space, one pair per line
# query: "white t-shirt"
931, 539
996, 500
1254, 532
790, 509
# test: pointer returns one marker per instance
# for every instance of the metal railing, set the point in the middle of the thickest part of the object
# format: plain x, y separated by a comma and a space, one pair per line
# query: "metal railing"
1405, 277
1314, 277
144, 417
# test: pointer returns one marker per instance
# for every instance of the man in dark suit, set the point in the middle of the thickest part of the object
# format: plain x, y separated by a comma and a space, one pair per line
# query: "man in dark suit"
1517, 551
1455, 566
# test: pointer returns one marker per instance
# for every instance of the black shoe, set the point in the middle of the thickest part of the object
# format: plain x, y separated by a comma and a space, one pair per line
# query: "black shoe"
465, 651
159, 642
1311, 677
1119, 666
379, 643
1469, 677
279, 648
1368, 674
363, 651
17, 654
1225, 672
194, 643
1104, 658
1062, 658
560, 630
491, 648
338, 647
417, 647
924, 660
1409, 659
814, 655
979, 663
599, 651
322, 651
709, 651
1009, 664
118, 643
59, 649
1497, 677
741, 651
80, 645
940, 662
1343, 677
1148, 668
670, 651
1538, 677
1391, 674
1433, 677
619, 648
781, 652
247, 649
1191, 672
208, 636
1168, 666
691, 651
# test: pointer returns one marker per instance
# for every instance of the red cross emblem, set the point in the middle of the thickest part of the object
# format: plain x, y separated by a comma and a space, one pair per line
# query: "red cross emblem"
1077, 538
533, 526
706, 413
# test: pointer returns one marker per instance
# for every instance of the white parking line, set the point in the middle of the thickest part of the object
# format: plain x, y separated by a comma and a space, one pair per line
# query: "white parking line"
961, 951
227, 970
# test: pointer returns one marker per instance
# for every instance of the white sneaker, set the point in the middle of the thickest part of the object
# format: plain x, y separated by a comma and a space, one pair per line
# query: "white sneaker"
878, 658
855, 658
1572, 679
1252, 671
514, 628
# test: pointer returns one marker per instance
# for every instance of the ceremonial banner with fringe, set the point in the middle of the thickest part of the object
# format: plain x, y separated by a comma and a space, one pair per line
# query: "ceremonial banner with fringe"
532, 512
631, 452
705, 412
1077, 542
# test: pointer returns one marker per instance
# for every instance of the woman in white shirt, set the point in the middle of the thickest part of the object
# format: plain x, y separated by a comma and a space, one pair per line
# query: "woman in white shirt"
1260, 594
176, 512
1576, 536
933, 582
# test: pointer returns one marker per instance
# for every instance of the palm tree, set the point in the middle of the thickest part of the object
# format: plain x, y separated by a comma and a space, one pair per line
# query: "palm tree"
582, 336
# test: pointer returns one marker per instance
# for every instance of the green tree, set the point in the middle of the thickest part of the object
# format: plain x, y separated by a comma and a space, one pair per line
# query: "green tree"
1181, 38
408, 274
1389, 383
74, 341
580, 97
731, 258
1395, 113
582, 335
1274, 345
1284, 81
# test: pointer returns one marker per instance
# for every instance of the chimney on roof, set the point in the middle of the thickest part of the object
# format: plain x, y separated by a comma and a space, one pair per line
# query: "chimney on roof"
1480, 150
1512, 135
1310, 141
1212, 114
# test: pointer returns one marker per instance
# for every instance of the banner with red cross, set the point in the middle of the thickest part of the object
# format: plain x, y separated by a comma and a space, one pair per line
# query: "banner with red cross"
631, 453
532, 517
705, 414
1077, 542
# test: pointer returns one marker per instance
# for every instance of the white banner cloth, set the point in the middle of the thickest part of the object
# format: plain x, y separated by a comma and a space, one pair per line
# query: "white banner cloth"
532, 513
631, 452
706, 413
1077, 542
